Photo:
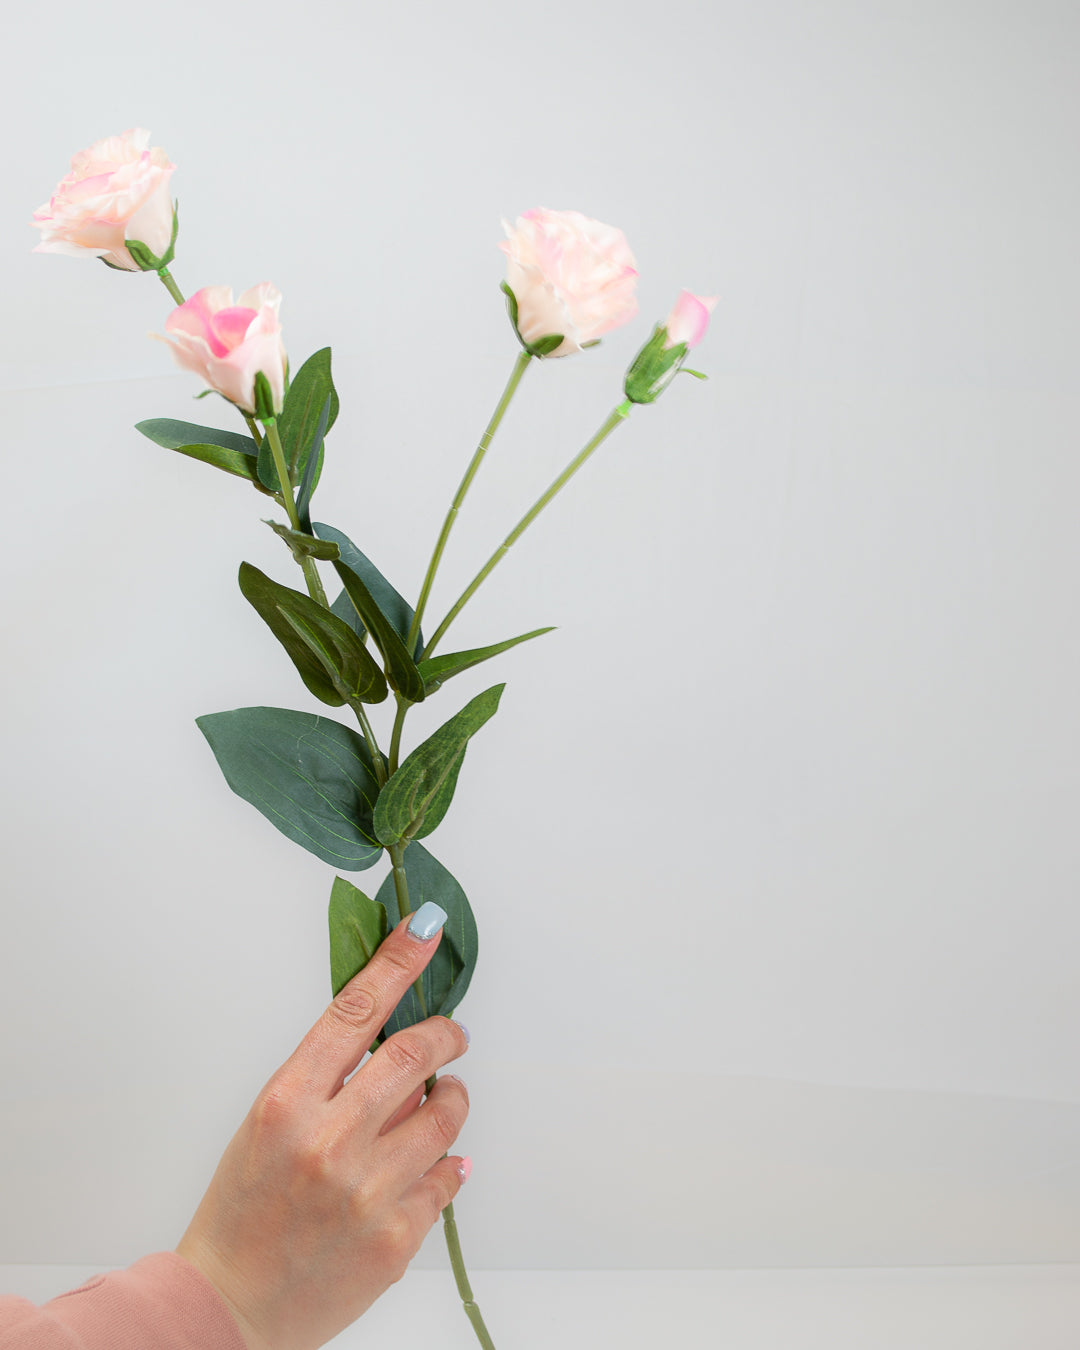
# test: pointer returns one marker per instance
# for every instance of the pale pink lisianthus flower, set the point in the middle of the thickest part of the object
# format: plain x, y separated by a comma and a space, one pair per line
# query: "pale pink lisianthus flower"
117, 190
228, 344
689, 319
570, 275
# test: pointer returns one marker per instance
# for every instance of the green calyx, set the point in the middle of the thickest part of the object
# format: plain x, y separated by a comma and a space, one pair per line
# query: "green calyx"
654, 367
542, 346
142, 256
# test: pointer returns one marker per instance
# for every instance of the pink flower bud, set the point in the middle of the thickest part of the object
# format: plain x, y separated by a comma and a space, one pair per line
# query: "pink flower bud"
569, 275
228, 344
689, 319
117, 190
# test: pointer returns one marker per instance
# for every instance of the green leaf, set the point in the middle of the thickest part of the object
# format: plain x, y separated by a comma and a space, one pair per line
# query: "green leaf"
311, 777
329, 657
416, 798
400, 668
357, 926
299, 419
446, 976
392, 605
304, 545
438, 669
223, 449
312, 469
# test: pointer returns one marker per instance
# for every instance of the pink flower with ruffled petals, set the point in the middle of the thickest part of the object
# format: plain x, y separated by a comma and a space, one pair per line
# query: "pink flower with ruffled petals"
689, 320
228, 344
117, 190
569, 275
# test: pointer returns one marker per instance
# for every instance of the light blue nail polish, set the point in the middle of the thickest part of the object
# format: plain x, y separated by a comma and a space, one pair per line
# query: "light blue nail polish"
465, 1033
427, 921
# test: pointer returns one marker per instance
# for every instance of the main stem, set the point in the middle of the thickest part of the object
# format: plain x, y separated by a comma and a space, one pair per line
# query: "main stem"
617, 417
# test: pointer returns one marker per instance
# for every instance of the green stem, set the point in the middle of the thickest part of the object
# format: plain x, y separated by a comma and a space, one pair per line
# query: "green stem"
401, 890
253, 428
461, 1276
520, 365
369, 736
170, 285
285, 482
395, 735
620, 414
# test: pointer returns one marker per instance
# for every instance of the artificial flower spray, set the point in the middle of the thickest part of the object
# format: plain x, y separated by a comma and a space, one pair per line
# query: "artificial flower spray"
351, 794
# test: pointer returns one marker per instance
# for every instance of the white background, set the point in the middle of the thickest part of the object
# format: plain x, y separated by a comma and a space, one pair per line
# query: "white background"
773, 843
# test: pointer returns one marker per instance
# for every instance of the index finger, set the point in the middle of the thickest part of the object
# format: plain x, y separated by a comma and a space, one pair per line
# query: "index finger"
341, 1037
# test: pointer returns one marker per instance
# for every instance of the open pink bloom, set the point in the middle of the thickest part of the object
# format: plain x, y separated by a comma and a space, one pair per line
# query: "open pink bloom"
570, 275
227, 344
689, 319
118, 189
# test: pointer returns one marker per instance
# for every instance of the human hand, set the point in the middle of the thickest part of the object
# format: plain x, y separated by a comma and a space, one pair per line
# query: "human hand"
328, 1188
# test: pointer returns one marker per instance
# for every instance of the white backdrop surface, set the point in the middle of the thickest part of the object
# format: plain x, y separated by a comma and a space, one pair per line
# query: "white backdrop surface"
773, 843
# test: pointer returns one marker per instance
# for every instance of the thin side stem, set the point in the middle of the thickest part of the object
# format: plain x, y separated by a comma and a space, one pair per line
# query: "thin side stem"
369, 737
170, 285
285, 482
253, 427
520, 365
620, 414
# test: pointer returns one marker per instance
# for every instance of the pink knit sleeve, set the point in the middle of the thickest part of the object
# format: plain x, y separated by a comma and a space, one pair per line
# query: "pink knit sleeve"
160, 1303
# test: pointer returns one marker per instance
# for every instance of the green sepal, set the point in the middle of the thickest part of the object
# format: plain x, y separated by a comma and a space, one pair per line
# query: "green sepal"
304, 545
392, 604
546, 345
331, 660
142, 257
446, 977
438, 669
414, 801
264, 402
357, 927
116, 267
697, 374
512, 309
226, 450
542, 346
311, 777
592, 342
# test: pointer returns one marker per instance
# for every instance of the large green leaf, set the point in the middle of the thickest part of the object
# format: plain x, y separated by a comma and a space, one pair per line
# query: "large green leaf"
313, 468
357, 926
329, 657
299, 418
223, 449
447, 975
438, 669
400, 668
310, 777
416, 798
392, 604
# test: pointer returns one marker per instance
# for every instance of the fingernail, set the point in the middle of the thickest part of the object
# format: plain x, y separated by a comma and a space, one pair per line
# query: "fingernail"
463, 1169
464, 1031
427, 921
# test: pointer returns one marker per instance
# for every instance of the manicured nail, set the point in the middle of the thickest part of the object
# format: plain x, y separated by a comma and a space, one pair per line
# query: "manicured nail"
427, 921
464, 1032
464, 1168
